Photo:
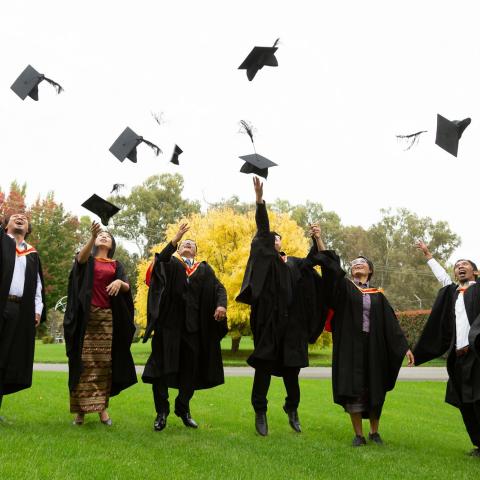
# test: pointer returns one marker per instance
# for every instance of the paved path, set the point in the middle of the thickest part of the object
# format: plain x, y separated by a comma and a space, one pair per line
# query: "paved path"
408, 374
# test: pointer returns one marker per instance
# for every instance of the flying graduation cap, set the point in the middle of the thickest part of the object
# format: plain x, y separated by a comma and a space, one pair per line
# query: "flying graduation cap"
97, 205
176, 152
26, 85
449, 133
254, 163
258, 58
125, 146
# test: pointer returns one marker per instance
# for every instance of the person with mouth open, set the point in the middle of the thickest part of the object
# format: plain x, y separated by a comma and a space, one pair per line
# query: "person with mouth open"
21, 304
453, 328
98, 328
368, 343
186, 312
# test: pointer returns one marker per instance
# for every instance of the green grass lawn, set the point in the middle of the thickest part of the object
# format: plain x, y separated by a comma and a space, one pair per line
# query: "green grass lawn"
55, 353
424, 437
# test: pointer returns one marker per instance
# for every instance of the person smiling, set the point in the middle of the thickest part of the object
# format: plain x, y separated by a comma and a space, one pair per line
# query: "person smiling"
98, 328
21, 304
368, 343
453, 327
186, 310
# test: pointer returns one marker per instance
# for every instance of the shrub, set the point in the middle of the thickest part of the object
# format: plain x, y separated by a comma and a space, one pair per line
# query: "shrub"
48, 339
412, 323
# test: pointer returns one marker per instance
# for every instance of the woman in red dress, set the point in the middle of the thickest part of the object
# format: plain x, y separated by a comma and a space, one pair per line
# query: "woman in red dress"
98, 328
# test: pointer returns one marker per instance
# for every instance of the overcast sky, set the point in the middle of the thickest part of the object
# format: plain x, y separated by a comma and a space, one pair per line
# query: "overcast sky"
351, 76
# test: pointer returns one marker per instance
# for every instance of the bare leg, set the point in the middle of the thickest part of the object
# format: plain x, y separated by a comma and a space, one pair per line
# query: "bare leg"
374, 424
103, 415
357, 423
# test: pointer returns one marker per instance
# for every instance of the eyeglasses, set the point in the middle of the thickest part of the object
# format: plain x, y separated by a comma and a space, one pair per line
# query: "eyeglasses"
358, 261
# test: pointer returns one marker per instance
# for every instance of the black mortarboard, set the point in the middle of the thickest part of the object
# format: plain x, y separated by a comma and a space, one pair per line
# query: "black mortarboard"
125, 146
27, 83
97, 205
176, 152
449, 133
258, 58
257, 164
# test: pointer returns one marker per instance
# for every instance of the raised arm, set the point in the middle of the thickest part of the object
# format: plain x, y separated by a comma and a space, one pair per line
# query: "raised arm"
261, 215
84, 253
316, 234
170, 248
442, 276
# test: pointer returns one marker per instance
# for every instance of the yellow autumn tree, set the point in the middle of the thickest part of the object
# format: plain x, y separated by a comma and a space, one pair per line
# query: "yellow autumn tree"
223, 239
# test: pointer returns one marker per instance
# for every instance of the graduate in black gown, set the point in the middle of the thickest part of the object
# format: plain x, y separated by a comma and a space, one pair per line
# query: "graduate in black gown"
453, 328
98, 328
287, 311
186, 312
368, 343
21, 304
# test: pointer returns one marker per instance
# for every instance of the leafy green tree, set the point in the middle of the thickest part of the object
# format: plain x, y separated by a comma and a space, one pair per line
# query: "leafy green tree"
148, 210
55, 234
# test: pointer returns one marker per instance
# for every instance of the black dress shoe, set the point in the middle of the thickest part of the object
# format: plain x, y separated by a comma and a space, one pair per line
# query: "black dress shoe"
261, 424
376, 438
160, 422
475, 452
293, 419
187, 420
358, 441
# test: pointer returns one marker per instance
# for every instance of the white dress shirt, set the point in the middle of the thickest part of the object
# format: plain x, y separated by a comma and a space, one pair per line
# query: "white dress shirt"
461, 319
18, 279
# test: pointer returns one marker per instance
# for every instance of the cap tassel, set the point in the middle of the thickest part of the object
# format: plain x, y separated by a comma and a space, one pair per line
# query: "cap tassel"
248, 129
154, 147
410, 140
277, 41
54, 84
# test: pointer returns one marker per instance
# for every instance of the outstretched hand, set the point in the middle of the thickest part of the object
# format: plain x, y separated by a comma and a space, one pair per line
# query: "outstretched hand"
421, 245
258, 187
315, 231
184, 228
95, 229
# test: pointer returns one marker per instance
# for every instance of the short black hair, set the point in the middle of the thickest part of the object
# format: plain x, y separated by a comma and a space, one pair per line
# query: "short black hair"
111, 252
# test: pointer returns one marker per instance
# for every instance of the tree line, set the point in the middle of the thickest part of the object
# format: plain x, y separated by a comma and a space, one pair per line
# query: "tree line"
151, 211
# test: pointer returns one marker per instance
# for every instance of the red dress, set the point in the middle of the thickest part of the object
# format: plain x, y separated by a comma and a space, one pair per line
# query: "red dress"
103, 275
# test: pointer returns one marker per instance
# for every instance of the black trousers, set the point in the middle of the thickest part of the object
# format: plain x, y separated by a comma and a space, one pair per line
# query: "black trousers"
9, 324
470, 411
261, 384
187, 372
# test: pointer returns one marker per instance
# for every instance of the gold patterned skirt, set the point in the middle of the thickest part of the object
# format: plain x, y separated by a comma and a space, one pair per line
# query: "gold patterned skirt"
93, 390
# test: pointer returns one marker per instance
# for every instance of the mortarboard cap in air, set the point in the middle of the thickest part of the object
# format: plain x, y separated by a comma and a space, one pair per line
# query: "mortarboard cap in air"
257, 164
125, 146
176, 152
26, 85
449, 133
97, 205
258, 58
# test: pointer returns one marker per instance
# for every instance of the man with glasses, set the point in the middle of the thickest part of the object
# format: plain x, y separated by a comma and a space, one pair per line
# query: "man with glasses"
186, 310
453, 328
21, 304
287, 311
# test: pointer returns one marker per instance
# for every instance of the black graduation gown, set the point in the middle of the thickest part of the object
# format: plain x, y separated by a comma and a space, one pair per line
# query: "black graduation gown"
387, 344
17, 342
177, 307
439, 337
288, 308
75, 321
